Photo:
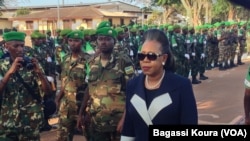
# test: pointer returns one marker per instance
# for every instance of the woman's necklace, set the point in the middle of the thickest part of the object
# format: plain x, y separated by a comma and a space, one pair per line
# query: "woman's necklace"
152, 87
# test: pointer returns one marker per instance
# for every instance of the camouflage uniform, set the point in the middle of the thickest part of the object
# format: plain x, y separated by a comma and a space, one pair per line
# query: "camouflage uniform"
194, 60
21, 114
202, 53
222, 45
177, 45
233, 43
107, 95
242, 44
74, 78
214, 48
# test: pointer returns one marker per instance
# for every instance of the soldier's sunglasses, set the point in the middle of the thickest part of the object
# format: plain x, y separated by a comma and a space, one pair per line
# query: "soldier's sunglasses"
151, 56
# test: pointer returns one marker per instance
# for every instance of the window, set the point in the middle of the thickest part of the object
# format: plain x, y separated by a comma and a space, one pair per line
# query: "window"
29, 25
66, 24
110, 20
121, 21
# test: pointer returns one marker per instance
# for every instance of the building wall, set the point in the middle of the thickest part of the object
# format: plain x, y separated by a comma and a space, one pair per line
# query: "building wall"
117, 20
4, 23
43, 25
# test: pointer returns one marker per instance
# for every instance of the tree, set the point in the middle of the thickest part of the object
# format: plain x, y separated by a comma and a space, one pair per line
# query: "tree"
197, 10
169, 6
22, 11
5, 3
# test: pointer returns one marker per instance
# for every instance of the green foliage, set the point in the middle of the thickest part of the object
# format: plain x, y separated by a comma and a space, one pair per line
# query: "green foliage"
22, 11
166, 2
220, 9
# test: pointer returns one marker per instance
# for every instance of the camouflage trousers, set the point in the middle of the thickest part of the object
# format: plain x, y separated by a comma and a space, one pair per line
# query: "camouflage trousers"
182, 67
67, 117
27, 130
222, 54
241, 49
233, 51
195, 64
93, 135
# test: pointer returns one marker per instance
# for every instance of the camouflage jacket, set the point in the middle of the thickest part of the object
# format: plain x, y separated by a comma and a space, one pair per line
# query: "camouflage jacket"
16, 99
74, 72
107, 87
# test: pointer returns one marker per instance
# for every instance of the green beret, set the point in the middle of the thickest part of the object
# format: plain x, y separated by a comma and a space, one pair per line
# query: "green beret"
58, 30
217, 24
104, 28
227, 23
36, 30
106, 31
36, 35
14, 36
104, 24
133, 29
190, 28
86, 32
176, 27
119, 30
161, 27
65, 32
185, 28
242, 23
48, 31
42, 36
92, 32
170, 28
76, 34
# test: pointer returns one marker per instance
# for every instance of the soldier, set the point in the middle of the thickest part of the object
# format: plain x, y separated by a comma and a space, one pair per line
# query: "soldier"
202, 52
73, 85
187, 46
105, 102
118, 48
3, 51
62, 49
242, 41
22, 86
177, 46
222, 45
210, 47
194, 59
233, 44
87, 47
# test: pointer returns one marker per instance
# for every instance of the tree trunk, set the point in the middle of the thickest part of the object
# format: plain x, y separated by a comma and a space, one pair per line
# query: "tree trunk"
188, 8
167, 12
231, 12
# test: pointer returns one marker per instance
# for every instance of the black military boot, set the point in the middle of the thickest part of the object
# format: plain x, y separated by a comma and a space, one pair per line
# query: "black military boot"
232, 64
203, 77
209, 67
221, 67
216, 64
239, 62
195, 81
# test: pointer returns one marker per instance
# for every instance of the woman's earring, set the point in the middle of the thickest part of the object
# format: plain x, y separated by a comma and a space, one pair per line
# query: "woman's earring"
163, 63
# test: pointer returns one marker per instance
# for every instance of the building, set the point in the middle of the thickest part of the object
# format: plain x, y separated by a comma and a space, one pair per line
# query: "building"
74, 16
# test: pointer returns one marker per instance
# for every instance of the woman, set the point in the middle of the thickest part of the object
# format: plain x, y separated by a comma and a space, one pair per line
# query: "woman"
158, 95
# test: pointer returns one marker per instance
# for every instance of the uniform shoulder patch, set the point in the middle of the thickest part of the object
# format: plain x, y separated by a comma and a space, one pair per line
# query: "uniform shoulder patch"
129, 70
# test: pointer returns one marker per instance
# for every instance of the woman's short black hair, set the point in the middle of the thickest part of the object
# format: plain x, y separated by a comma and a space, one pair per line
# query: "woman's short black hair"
160, 36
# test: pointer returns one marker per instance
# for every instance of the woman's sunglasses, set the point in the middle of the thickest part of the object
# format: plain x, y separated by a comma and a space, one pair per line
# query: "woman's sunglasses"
150, 56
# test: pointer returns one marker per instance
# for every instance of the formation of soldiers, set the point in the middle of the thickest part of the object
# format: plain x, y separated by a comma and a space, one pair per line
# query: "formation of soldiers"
196, 49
